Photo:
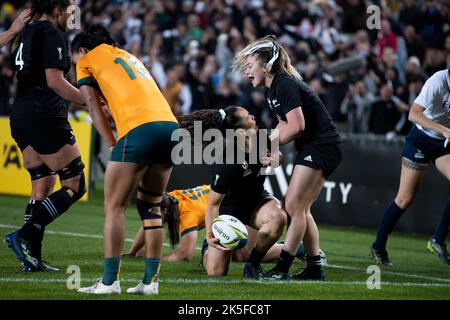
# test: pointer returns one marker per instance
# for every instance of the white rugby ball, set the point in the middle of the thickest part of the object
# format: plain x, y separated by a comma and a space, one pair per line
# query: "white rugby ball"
230, 231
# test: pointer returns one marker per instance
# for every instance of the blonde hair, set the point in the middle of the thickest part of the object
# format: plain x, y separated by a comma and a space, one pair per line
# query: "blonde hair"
268, 46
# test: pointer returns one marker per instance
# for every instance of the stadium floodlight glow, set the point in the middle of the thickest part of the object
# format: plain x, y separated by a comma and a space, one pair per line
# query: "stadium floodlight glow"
270, 45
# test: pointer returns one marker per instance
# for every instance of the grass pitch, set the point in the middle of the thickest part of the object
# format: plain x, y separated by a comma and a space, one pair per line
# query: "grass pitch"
76, 239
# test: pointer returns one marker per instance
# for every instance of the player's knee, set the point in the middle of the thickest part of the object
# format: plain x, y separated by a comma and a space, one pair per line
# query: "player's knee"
40, 194
40, 172
150, 213
293, 207
74, 169
404, 201
217, 271
241, 255
279, 218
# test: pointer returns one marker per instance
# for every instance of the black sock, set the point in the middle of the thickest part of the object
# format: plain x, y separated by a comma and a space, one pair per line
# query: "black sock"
46, 212
387, 224
256, 257
36, 247
284, 261
313, 263
444, 224
31, 206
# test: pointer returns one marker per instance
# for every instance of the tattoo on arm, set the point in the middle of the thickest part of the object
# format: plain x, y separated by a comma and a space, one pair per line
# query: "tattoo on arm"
413, 165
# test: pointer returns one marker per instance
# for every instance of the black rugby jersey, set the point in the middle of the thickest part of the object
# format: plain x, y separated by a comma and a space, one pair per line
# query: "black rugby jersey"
40, 46
287, 93
240, 181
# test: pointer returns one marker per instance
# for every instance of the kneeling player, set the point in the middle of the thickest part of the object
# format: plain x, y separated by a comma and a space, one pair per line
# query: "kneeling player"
238, 190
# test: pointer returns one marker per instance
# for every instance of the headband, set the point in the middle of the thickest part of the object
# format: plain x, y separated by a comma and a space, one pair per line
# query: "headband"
270, 45
223, 114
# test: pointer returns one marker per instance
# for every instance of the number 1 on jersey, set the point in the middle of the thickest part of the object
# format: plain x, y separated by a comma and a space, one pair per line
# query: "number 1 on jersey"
127, 68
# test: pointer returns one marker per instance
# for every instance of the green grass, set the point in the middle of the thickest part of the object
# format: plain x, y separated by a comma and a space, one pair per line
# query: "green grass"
417, 274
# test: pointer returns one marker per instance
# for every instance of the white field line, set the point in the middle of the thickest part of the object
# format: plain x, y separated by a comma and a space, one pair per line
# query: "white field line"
407, 275
223, 281
94, 236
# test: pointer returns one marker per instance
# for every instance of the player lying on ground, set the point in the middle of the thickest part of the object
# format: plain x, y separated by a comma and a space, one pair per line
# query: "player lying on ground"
184, 212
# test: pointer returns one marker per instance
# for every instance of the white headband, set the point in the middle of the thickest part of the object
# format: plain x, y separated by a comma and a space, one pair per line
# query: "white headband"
262, 46
223, 114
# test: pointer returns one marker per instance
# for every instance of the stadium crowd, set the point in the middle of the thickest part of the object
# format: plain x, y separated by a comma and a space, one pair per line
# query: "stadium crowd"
368, 78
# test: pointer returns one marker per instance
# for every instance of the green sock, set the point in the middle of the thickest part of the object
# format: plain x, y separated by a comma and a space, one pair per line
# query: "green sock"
151, 270
111, 270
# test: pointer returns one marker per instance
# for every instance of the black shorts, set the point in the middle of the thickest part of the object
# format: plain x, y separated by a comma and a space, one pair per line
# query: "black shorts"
324, 157
421, 148
244, 210
46, 135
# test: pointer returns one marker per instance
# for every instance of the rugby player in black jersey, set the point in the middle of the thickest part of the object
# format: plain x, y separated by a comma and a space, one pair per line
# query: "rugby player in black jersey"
40, 127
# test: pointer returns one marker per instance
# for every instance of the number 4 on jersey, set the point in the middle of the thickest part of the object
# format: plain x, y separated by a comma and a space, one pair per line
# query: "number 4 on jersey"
19, 61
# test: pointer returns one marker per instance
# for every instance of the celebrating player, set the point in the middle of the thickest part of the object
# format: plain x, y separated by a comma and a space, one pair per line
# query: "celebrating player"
304, 119
140, 156
426, 141
238, 190
40, 128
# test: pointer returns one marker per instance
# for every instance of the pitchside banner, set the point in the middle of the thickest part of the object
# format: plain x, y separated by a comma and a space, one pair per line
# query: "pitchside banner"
14, 178
358, 191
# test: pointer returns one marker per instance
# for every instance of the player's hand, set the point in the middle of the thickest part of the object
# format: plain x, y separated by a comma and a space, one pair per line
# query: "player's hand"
21, 21
446, 134
215, 243
272, 160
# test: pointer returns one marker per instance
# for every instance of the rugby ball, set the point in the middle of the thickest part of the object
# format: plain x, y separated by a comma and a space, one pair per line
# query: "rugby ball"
230, 231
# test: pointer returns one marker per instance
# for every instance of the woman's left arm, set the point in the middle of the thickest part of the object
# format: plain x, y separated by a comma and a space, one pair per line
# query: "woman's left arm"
91, 98
292, 128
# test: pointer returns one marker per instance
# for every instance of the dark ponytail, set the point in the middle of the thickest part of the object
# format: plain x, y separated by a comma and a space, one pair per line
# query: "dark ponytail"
211, 119
94, 36
172, 217
40, 7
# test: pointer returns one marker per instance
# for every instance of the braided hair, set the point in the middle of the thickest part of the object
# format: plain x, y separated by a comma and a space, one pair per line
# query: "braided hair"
221, 120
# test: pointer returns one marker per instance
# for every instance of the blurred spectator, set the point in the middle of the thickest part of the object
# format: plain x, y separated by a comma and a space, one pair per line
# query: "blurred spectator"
432, 22
386, 112
188, 46
354, 17
414, 45
177, 93
356, 106
409, 13
386, 38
